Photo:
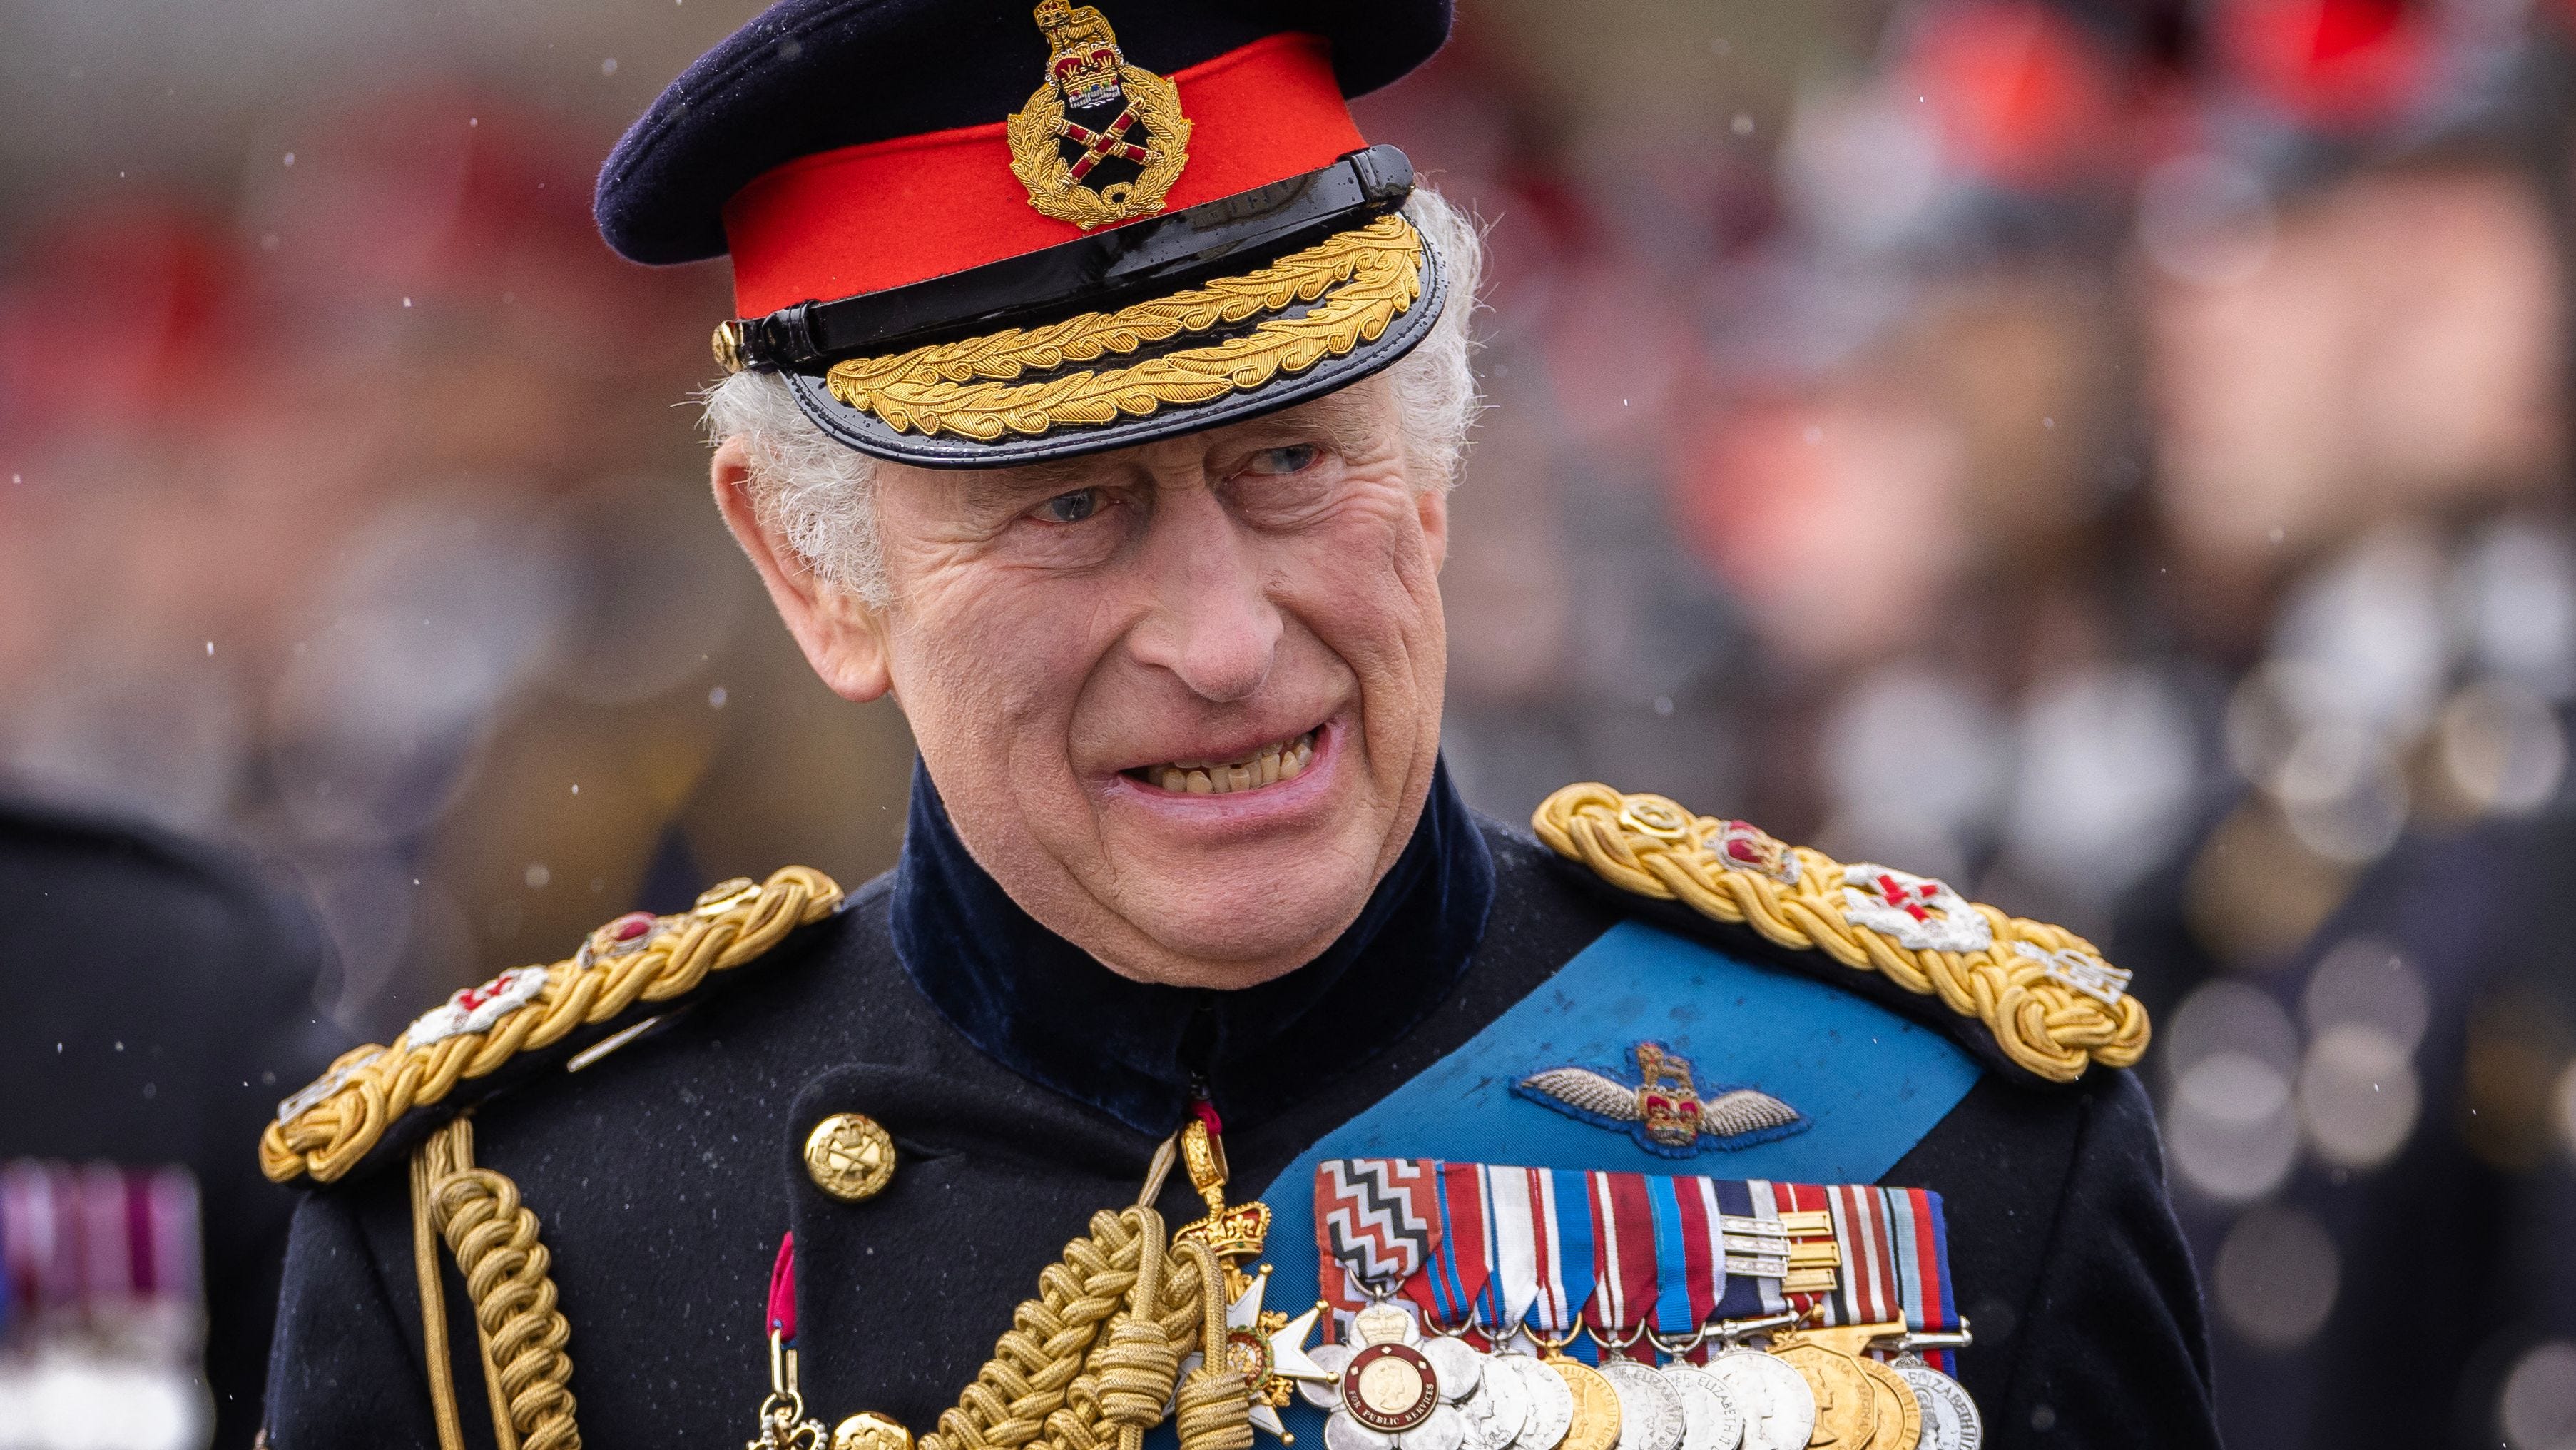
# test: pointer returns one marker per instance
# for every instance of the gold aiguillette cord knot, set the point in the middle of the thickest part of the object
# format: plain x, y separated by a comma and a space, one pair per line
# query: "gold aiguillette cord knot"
1089, 1364
521, 1333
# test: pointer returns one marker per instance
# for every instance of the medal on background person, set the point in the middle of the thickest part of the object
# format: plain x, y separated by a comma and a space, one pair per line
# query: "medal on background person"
1624, 1269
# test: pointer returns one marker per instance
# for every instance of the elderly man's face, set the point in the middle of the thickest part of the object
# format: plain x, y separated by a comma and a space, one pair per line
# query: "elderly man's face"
1182, 700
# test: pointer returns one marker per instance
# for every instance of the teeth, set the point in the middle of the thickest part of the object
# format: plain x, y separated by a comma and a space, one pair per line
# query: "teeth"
1267, 766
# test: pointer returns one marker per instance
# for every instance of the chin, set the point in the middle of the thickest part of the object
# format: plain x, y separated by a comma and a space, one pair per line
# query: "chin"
1236, 926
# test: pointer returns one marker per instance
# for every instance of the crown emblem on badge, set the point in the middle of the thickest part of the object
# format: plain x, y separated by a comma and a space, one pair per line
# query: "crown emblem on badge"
1100, 141
1664, 1111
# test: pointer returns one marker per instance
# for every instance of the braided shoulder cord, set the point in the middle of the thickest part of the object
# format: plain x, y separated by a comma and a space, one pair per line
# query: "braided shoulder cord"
369, 1089
521, 1333
2054, 1006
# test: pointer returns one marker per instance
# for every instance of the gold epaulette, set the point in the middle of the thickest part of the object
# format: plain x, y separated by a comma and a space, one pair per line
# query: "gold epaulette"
2054, 1006
328, 1127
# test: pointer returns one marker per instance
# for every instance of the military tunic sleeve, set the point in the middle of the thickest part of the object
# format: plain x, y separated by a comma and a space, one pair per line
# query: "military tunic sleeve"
344, 1368
2113, 1347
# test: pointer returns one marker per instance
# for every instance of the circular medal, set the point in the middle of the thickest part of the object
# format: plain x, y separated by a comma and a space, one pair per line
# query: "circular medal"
1499, 1407
1446, 1429
1390, 1388
1950, 1418
1596, 1404
1332, 1359
1650, 1409
1710, 1418
1341, 1432
1779, 1409
1551, 1403
1846, 1401
1899, 1416
1455, 1364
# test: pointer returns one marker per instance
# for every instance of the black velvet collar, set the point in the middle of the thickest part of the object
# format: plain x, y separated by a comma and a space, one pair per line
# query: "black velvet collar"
1043, 1008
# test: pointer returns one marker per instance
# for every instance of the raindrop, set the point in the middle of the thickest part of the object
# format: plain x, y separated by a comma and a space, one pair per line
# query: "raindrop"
1743, 124
290, 161
538, 875
716, 698
608, 67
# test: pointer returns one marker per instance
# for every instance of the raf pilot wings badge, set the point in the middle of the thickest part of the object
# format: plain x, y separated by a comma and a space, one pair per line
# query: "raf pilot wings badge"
1663, 1110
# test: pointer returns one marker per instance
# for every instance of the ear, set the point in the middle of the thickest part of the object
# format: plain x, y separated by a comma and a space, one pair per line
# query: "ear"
843, 637
1432, 507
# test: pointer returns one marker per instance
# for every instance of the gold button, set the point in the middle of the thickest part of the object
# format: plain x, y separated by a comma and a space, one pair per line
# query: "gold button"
870, 1431
849, 1156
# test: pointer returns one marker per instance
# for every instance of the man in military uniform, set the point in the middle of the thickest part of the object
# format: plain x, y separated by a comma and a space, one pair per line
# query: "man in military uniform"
1095, 390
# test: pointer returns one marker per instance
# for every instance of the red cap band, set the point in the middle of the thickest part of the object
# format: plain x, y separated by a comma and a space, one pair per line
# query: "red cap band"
865, 218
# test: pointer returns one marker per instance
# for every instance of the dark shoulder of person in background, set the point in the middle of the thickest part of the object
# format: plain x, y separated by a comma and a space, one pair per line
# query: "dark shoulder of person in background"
160, 999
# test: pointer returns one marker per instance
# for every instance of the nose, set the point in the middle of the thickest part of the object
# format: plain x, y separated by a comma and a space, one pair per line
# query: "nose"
1211, 623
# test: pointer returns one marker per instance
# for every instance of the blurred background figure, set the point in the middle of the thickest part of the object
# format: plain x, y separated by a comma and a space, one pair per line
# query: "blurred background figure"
2113, 453
160, 998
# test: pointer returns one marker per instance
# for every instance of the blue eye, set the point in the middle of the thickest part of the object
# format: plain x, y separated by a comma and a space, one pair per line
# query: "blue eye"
1071, 508
1291, 459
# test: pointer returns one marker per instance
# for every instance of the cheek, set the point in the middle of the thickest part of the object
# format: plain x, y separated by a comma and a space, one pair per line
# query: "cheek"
1366, 581
980, 648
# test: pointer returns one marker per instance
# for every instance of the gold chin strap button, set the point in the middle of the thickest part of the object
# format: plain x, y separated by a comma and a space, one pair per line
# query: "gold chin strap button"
870, 1431
850, 1157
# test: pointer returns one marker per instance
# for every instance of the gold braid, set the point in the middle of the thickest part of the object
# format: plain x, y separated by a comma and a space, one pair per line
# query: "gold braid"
329, 1137
2021, 984
1089, 1363
521, 1332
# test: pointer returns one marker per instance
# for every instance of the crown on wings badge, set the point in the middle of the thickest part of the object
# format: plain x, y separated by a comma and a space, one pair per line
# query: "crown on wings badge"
1663, 1110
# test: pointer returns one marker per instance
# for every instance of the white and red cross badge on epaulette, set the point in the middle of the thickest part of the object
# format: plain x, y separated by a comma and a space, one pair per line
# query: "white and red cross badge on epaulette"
1478, 1307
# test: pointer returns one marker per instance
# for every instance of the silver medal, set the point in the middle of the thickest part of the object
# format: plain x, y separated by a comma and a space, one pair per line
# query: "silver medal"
1710, 1419
1950, 1418
1551, 1411
1498, 1408
1457, 1364
1650, 1411
1445, 1430
1332, 1359
1779, 1409
1341, 1432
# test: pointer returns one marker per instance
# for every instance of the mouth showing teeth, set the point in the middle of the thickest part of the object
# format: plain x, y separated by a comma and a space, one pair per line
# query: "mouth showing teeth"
1269, 765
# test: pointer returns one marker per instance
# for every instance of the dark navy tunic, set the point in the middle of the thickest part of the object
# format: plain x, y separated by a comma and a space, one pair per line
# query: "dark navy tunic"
1026, 1087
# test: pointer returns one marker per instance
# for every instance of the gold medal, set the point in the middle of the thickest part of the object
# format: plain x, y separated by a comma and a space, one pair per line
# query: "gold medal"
1899, 1415
1596, 1405
1861, 1404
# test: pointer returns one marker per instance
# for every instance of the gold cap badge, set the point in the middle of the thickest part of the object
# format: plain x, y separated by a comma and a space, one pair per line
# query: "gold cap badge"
1101, 141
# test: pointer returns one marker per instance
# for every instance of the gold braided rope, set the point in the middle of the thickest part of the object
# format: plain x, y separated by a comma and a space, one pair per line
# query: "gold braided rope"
521, 1333
2020, 984
329, 1137
1089, 1363
1373, 274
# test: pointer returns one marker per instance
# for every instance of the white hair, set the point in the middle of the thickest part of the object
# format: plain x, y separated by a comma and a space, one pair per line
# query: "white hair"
819, 495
